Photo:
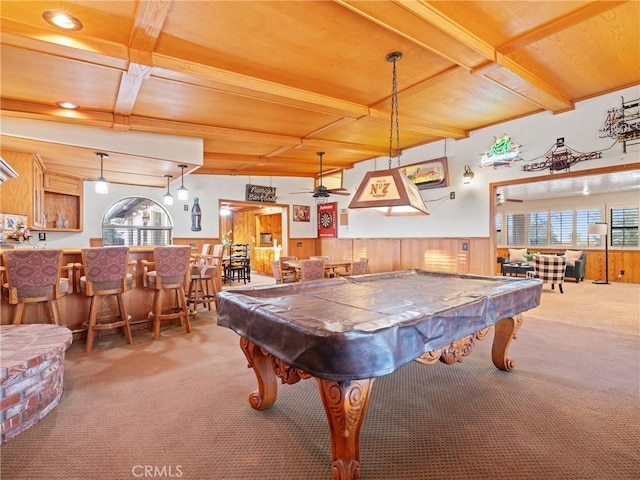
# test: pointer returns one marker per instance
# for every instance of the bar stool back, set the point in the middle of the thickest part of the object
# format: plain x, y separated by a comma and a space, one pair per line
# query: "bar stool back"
171, 274
35, 276
106, 274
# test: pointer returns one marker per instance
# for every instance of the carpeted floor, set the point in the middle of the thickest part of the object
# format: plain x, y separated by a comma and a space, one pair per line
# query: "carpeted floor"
177, 408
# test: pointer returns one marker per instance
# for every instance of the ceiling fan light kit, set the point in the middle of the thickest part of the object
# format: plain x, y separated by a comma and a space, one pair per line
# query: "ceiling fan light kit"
390, 191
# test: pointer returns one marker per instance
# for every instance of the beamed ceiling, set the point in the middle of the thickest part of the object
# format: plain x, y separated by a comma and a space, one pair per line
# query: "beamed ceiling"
267, 84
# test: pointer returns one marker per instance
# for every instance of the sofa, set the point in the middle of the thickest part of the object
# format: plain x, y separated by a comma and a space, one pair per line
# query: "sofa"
576, 261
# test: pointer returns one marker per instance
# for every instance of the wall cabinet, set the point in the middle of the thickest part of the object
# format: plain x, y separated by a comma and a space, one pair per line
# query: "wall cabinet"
24, 194
42, 195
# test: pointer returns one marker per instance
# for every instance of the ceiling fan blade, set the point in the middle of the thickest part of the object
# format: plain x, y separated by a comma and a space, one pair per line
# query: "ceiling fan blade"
517, 200
333, 192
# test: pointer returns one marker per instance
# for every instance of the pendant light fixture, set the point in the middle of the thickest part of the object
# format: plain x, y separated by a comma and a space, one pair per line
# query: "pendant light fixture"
390, 191
167, 197
183, 193
102, 187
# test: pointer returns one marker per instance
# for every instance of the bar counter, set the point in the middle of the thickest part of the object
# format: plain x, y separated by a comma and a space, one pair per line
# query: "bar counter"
74, 307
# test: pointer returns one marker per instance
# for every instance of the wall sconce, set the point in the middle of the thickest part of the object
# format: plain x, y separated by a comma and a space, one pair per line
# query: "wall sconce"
183, 193
468, 174
102, 187
168, 198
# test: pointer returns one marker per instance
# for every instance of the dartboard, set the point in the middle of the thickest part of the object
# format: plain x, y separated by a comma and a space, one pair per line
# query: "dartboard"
326, 220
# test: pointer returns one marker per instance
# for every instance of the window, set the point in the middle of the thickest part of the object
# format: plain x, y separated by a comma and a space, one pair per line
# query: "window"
515, 229
624, 227
136, 221
562, 228
583, 219
537, 229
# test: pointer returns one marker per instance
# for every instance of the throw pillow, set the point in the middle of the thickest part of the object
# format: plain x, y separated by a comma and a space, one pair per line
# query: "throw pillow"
572, 256
516, 255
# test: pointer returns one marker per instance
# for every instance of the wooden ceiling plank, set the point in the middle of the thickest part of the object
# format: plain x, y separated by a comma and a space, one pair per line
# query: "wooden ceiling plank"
457, 32
559, 24
427, 128
385, 17
91, 50
462, 35
130, 84
231, 82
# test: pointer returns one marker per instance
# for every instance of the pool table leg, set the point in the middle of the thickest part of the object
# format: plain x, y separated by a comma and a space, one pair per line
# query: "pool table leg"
345, 404
505, 331
261, 362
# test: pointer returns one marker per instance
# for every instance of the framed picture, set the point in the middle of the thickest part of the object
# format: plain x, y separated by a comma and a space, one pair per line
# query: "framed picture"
430, 174
301, 213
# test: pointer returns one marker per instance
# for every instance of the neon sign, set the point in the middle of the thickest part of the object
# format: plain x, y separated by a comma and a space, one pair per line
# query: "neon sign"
502, 152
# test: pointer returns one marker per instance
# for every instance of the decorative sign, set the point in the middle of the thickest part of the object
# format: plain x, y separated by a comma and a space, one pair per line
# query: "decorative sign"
623, 123
301, 213
502, 152
429, 174
327, 220
258, 193
560, 159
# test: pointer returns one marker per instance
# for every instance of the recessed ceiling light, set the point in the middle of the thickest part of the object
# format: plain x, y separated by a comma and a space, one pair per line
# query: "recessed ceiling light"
69, 105
62, 20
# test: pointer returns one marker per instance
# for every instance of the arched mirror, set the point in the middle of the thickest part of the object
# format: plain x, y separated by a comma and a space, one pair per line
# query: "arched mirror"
135, 221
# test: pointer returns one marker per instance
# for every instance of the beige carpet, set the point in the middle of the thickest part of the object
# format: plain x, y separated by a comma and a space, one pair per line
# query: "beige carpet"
178, 408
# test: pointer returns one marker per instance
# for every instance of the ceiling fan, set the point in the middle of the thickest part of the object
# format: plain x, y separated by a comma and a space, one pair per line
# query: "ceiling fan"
322, 192
500, 199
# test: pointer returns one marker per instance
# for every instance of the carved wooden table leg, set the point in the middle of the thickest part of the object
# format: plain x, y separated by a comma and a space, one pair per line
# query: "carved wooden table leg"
345, 404
505, 331
261, 362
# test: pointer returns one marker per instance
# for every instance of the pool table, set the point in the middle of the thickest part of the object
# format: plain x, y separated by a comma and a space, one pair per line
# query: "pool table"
347, 331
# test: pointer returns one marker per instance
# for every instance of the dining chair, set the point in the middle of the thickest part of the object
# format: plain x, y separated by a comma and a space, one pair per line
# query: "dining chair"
311, 270
550, 269
106, 273
288, 273
171, 274
35, 276
359, 267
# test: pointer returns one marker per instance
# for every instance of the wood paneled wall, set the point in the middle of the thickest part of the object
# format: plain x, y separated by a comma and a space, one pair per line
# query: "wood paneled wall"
462, 255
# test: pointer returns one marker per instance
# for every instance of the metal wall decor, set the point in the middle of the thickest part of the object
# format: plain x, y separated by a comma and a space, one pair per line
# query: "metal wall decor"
560, 158
623, 123
502, 152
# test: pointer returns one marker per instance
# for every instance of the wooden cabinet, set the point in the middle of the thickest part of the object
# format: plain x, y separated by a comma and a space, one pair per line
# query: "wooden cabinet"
62, 197
41, 195
24, 194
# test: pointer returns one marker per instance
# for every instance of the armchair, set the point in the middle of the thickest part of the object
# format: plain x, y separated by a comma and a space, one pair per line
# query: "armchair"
576, 264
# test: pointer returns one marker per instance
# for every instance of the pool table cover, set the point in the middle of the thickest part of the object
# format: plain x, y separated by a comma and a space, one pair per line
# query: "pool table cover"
367, 326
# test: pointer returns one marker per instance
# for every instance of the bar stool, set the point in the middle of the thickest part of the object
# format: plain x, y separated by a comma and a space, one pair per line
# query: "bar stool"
171, 274
206, 277
106, 274
35, 276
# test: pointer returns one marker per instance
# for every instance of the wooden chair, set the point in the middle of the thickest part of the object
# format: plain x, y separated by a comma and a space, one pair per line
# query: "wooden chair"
171, 274
106, 274
311, 270
550, 269
35, 276
282, 272
239, 266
